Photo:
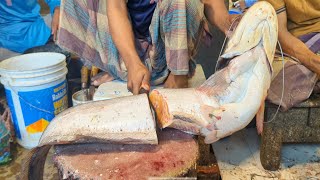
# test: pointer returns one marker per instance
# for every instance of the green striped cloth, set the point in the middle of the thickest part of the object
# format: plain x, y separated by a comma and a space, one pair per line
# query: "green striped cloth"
5, 156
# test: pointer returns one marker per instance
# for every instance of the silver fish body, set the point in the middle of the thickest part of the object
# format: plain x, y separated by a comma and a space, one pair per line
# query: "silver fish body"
231, 97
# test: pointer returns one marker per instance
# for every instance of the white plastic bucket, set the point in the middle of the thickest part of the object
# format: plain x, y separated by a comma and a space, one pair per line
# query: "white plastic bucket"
79, 97
36, 91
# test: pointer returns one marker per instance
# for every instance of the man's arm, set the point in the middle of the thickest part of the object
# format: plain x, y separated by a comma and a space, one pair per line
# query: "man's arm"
296, 48
123, 37
54, 6
217, 13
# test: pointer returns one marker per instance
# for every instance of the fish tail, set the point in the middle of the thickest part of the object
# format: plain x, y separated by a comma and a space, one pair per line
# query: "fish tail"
33, 164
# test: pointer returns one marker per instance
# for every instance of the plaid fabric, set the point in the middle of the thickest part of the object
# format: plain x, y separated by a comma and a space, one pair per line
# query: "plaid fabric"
299, 80
174, 29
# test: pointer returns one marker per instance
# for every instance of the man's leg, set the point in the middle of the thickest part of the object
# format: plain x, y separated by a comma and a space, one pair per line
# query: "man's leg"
84, 31
174, 31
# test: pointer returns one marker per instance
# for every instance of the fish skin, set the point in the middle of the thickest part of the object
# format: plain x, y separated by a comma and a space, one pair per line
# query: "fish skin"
237, 115
115, 120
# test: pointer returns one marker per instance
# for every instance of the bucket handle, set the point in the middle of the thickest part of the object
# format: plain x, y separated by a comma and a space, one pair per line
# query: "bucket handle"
31, 105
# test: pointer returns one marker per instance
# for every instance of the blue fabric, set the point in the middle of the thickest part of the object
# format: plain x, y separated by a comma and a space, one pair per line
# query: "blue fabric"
141, 12
21, 25
235, 11
249, 3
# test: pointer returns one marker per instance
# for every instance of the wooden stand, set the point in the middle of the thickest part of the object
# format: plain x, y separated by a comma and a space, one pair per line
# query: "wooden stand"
207, 167
301, 124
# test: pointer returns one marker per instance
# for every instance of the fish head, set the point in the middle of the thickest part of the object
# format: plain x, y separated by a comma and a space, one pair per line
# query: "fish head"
258, 26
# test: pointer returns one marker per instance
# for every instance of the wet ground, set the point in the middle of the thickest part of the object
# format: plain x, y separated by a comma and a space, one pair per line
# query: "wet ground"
13, 169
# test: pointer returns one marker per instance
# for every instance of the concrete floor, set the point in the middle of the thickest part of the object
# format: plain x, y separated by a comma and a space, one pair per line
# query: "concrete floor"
238, 158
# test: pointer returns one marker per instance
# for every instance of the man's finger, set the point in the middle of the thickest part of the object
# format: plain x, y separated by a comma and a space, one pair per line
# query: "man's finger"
54, 36
136, 88
143, 90
146, 82
129, 86
100, 78
54, 32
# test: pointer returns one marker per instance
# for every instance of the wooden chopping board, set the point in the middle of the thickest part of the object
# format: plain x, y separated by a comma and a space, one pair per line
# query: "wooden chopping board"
176, 153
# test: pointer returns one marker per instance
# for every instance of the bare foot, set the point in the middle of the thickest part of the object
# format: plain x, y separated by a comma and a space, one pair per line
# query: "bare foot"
176, 81
101, 78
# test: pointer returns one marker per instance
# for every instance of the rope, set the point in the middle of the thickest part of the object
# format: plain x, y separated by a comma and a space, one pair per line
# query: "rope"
224, 42
282, 93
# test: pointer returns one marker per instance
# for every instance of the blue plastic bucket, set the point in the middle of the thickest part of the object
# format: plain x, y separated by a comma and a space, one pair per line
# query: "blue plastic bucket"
36, 91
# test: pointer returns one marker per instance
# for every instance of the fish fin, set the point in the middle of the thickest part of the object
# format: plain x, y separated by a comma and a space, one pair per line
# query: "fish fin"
211, 138
210, 86
33, 165
260, 118
188, 127
210, 135
269, 41
211, 114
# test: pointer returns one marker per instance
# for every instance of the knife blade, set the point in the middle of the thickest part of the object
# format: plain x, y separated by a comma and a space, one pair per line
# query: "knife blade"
84, 80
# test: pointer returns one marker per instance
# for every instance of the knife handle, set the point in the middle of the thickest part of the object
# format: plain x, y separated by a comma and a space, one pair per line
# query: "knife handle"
94, 71
144, 88
84, 77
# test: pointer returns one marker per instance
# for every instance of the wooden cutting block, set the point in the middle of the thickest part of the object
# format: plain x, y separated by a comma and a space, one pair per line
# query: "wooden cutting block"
175, 155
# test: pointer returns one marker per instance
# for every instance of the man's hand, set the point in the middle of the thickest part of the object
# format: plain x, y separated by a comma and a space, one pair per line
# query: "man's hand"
138, 79
217, 14
233, 24
55, 22
175, 81
123, 37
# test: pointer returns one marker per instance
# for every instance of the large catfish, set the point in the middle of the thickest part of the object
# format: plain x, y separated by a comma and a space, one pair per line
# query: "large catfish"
231, 97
